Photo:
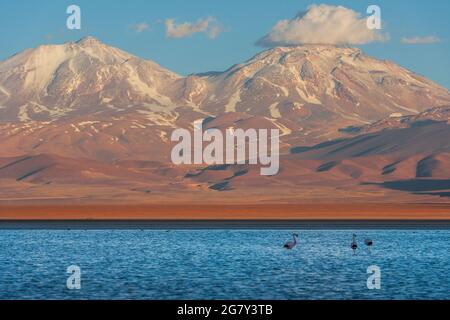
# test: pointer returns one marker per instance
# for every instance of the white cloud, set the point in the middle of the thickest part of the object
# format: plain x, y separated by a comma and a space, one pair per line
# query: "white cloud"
421, 40
208, 25
140, 27
322, 24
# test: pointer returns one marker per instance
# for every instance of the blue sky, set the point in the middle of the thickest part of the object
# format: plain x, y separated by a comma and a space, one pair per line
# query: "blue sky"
26, 24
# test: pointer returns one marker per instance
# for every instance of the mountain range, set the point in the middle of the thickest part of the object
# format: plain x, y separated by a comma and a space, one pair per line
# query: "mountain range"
88, 122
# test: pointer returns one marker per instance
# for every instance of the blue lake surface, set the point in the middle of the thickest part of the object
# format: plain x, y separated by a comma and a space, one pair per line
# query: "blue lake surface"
223, 264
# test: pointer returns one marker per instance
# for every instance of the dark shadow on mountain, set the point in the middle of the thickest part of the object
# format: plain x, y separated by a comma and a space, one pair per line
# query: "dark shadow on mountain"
322, 145
240, 173
423, 123
415, 185
208, 120
438, 194
192, 174
367, 152
221, 186
327, 166
354, 142
425, 167
217, 167
15, 162
32, 173
207, 74
390, 168
351, 130
429, 137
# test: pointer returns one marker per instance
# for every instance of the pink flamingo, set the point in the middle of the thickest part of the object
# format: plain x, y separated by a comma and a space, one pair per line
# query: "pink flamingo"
291, 244
354, 245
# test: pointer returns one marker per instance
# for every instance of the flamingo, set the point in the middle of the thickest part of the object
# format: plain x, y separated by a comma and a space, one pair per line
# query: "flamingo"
369, 243
291, 244
354, 245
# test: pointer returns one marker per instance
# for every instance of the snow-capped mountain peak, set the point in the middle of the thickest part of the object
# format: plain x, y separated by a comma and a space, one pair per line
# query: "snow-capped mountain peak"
52, 81
313, 89
320, 83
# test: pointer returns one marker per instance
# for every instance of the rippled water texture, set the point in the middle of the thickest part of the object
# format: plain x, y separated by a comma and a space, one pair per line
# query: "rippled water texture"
223, 264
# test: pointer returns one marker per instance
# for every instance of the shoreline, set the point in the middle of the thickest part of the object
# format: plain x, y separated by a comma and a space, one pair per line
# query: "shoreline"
169, 225
249, 212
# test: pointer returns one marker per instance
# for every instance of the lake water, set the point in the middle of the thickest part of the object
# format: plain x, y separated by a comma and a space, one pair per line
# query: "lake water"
223, 264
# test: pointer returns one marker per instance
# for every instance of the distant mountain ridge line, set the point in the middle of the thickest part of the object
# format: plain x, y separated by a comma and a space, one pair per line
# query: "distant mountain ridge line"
274, 83
87, 122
